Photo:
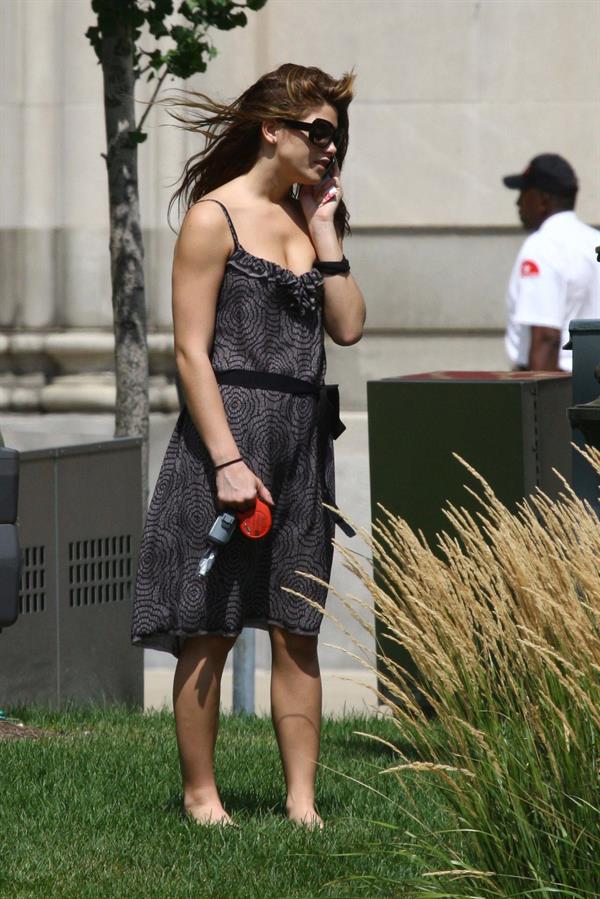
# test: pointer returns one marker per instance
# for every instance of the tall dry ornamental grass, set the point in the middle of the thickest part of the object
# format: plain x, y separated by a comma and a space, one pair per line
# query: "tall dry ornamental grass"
503, 622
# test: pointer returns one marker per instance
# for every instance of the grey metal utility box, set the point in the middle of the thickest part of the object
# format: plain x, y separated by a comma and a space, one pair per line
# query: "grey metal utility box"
80, 519
10, 554
585, 343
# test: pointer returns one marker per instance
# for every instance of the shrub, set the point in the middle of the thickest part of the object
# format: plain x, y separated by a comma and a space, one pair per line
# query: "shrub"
503, 623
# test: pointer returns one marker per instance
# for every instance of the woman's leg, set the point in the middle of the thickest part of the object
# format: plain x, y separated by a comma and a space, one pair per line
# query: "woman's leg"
196, 697
296, 712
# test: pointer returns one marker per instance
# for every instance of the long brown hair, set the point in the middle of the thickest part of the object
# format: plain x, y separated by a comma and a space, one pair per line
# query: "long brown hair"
232, 131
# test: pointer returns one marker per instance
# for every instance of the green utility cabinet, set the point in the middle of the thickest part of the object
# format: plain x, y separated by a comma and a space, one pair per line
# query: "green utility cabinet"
512, 427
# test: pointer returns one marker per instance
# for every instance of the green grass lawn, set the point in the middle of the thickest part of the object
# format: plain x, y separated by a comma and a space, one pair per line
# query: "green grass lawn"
92, 811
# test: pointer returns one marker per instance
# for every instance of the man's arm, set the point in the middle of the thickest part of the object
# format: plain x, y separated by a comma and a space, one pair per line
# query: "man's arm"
541, 301
544, 349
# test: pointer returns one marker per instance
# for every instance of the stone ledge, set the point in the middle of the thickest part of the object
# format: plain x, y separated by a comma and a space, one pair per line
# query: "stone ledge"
28, 382
76, 351
77, 393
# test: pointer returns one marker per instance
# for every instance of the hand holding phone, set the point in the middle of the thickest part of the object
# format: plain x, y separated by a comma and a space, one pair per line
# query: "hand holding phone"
328, 175
314, 197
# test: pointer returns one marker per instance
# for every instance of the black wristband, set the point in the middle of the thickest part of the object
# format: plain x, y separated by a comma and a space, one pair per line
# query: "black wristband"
333, 268
225, 464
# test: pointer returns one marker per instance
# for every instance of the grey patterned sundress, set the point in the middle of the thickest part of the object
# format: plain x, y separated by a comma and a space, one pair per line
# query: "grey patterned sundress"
267, 320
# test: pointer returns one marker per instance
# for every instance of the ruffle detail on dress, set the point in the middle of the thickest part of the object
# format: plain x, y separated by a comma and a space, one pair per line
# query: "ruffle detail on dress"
302, 293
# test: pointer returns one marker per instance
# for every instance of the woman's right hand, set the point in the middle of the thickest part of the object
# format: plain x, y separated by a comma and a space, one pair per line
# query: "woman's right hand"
238, 487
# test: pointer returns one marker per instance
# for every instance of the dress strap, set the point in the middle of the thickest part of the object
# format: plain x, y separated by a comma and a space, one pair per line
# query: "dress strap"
227, 216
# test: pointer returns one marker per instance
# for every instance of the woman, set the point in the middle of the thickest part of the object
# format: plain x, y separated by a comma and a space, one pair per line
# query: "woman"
258, 271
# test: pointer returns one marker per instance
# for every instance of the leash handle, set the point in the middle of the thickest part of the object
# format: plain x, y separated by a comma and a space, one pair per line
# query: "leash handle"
255, 523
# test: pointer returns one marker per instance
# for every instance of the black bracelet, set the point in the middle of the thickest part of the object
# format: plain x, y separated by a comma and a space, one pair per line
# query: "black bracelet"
225, 464
333, 268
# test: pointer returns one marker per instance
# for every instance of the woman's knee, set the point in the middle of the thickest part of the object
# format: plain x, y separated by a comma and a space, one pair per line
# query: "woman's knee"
299, 648
214, 646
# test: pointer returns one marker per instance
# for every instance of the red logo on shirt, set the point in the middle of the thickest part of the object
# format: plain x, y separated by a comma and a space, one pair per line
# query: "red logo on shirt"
529, 268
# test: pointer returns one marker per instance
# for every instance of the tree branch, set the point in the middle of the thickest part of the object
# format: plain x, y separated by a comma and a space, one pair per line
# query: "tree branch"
140, 124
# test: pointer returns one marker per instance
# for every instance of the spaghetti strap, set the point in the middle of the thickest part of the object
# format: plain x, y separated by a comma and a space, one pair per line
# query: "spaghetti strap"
227, 216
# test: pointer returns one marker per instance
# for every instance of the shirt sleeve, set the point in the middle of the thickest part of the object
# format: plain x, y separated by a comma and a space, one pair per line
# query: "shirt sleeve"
541, 296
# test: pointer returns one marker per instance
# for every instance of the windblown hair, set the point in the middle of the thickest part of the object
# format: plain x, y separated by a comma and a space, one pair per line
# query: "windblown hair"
232, 131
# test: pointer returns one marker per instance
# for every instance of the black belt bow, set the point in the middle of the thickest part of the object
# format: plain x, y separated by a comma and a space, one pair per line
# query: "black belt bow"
329, 422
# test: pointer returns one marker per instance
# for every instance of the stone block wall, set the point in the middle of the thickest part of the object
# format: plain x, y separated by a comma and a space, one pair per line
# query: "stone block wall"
450, 95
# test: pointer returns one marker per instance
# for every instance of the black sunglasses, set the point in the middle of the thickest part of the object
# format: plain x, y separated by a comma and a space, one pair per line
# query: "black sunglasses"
320, 132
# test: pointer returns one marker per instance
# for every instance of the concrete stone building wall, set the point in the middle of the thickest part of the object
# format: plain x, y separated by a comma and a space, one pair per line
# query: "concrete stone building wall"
451, 95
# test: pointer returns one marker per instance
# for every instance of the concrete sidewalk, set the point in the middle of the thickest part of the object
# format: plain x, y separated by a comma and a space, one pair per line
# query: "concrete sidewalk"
345, 691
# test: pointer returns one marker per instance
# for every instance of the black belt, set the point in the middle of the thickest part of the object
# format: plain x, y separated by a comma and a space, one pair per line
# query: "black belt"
328, 409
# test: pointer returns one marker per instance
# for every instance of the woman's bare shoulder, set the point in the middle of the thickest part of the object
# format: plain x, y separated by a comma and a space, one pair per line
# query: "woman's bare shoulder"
205, 225
231, 195
204, 214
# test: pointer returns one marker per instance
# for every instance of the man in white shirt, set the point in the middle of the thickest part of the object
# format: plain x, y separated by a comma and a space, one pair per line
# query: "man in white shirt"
556, 277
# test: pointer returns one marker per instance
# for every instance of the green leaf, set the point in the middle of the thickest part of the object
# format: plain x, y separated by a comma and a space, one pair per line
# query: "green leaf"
93, 36
239, 18
157, 60
137, 137
192, 50
156, 15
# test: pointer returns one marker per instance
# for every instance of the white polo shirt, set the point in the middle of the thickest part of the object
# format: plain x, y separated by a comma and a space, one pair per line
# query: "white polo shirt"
555, 279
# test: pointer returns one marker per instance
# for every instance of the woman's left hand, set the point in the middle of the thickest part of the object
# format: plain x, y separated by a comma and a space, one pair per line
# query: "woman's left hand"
320, 201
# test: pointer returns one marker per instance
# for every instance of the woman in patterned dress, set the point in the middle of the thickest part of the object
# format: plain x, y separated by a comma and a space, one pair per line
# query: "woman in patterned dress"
256, 279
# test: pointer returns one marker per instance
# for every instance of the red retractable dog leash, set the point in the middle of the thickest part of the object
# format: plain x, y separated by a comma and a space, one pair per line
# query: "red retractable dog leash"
253, 523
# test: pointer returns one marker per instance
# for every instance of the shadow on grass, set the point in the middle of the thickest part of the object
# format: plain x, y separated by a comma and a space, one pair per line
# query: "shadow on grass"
236, 803
367, 747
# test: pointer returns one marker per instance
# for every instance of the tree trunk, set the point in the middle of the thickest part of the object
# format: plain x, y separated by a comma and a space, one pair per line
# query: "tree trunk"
126, 245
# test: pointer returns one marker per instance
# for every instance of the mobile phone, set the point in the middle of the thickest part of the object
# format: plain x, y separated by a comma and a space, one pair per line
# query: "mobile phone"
329, 170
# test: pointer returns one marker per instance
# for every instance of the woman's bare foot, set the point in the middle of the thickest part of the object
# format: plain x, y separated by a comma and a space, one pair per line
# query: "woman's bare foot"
304, 816
209, 814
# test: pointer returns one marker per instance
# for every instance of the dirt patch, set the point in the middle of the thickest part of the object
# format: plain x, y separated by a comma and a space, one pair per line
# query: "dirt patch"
11, 731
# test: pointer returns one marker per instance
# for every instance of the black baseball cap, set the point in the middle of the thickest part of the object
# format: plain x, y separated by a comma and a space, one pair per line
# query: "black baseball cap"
548, 172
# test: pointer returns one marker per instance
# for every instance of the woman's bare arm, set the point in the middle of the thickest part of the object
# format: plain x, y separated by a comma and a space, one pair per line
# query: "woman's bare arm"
199, 262
344, 310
